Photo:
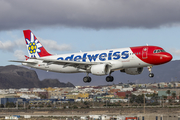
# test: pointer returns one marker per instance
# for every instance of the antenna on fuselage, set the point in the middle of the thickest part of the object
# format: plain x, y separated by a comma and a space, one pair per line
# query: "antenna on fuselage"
146, 44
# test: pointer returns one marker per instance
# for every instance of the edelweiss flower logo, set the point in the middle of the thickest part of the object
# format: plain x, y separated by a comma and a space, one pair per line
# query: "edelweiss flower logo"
145, 49
33, 46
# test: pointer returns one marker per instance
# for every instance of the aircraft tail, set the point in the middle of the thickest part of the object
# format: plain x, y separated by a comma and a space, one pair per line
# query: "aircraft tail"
34, 47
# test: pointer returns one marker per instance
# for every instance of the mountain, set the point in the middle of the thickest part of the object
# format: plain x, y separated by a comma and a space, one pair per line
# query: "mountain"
55, 82
163, 73
12, 76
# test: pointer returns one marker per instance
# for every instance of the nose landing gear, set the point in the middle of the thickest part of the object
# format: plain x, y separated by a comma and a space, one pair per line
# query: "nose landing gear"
150, 72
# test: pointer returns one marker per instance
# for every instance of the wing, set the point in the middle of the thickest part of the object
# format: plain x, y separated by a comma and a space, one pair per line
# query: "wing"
82, 65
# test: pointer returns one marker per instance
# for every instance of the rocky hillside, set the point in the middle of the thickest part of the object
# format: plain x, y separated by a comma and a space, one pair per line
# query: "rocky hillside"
19, 77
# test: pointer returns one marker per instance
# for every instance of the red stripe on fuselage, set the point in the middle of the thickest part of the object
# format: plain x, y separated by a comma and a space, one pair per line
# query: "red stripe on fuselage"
146, 54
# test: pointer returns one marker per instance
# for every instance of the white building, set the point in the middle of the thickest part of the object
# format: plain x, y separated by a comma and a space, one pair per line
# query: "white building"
127, 89
29, 96
118, 100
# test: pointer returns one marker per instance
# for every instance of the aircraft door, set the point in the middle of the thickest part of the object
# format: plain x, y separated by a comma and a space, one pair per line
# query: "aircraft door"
145, 53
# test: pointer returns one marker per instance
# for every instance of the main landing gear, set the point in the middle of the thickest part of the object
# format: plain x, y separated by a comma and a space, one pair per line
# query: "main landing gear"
109, 78
87, 79
150, 72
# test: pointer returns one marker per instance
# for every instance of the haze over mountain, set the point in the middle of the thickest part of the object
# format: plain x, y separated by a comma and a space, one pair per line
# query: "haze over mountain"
163, 73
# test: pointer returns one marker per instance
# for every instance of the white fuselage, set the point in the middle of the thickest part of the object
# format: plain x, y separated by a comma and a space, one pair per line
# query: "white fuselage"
118, 58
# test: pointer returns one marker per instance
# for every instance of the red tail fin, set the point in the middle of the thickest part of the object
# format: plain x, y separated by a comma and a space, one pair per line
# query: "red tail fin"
34, 47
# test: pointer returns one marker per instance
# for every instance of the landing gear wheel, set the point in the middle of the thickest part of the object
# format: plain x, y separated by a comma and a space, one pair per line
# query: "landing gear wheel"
151, 75
150, 71
87, 79
109, 78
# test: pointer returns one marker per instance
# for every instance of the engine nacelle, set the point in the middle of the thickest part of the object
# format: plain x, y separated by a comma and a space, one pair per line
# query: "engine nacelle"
100, 69
133, 71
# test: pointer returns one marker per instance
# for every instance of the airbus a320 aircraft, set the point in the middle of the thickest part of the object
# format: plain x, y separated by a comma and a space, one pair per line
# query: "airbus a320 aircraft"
103, 62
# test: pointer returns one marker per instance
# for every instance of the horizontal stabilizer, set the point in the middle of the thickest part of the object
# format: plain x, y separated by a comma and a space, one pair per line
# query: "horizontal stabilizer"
30, 62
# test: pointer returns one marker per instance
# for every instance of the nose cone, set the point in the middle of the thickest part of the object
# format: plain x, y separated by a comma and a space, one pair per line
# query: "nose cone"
167, 57
161, 58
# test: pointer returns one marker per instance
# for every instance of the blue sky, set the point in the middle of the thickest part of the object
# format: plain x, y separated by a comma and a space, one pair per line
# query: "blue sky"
74, 25
77, 39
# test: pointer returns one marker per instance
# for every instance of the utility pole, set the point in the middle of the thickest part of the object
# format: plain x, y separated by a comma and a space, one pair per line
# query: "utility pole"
144, 102
17, 104
160, 101
106, 102
163, 102
128, 100
5, 103
24, 105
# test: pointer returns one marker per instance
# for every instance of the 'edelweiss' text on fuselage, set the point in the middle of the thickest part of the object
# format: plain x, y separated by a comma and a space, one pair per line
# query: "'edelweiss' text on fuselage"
101, 57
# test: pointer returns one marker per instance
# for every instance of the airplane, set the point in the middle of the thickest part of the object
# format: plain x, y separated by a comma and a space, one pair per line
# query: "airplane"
129, 60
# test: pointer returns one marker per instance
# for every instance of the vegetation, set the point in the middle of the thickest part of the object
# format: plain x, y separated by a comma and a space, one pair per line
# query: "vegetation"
1, 106
173, 95
10, 105
168, 92
137, 99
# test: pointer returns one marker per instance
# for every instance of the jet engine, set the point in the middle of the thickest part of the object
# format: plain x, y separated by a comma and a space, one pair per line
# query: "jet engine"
100, 69
133, 71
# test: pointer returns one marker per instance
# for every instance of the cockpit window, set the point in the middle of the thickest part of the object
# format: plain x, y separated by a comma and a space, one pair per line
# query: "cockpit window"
158, 51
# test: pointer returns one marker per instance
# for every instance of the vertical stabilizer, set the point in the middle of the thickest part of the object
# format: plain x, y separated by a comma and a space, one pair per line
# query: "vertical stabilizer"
34, 47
